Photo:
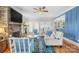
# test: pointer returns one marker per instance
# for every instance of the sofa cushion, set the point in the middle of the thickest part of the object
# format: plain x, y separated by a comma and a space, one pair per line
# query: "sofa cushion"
49, 33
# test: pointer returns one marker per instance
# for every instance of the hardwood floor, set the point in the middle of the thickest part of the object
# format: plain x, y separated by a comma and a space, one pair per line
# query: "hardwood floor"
7, 50
66, 48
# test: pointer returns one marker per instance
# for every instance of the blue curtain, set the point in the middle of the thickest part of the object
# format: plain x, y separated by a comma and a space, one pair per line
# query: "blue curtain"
71, 28
77, 25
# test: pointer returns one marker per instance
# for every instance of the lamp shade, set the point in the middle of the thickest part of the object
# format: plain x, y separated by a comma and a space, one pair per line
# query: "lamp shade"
2, 30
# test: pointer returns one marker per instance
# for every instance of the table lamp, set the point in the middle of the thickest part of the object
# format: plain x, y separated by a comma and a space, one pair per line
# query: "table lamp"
2, 30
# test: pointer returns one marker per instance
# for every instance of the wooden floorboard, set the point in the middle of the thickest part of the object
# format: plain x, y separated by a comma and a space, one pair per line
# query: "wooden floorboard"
7, 50
67, 48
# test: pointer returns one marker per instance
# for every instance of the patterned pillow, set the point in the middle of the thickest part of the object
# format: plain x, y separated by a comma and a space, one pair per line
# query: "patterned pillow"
49, 33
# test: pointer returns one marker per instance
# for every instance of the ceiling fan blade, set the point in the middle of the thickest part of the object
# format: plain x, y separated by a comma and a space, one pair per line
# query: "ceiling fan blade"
45, 11
35, 8
40, 9
34, 12
43, 7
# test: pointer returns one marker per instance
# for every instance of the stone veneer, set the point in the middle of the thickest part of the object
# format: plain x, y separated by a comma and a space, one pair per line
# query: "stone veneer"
4, 23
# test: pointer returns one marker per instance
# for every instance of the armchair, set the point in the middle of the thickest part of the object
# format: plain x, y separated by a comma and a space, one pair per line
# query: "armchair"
55, 39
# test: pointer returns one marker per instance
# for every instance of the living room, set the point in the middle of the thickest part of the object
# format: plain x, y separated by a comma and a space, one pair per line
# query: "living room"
38, 29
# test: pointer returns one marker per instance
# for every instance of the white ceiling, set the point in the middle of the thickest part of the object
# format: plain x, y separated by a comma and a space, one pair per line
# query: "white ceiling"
53, 11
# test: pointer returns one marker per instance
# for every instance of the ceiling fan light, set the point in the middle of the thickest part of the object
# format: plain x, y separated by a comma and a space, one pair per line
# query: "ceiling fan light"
40, 13
40, 10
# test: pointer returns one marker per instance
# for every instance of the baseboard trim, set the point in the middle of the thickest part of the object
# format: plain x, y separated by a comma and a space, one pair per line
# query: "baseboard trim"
74, 43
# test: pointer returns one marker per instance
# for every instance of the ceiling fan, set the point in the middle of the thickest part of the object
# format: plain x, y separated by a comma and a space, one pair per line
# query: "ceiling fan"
40, 10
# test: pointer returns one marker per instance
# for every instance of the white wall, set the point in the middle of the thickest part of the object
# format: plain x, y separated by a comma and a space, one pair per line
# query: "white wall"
39, 24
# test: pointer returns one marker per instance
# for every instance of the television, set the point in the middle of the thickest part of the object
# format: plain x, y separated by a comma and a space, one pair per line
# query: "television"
15, 16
